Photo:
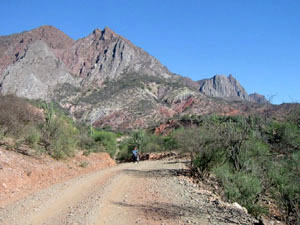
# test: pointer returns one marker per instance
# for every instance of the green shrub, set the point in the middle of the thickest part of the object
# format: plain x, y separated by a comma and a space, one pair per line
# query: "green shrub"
59, 135
250, 156
244, 188
152, 147
33, 137
284, 176
283, 136
169, 143
145, 142
153, 143
84, 164
1, 133
124, 154
107, 140
125, 150
63, 139
138, 139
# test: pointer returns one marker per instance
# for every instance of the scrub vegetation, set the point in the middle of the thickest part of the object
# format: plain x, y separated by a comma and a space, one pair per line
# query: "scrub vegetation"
255, 160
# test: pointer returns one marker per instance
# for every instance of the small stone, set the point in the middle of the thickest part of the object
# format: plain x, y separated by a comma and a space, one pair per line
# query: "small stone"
238, 206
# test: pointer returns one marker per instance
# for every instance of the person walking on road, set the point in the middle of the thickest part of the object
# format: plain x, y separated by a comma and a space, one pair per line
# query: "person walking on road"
136, 156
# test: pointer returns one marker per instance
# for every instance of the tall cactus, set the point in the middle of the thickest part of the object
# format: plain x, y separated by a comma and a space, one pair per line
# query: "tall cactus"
48, 112
49, 118
91, 130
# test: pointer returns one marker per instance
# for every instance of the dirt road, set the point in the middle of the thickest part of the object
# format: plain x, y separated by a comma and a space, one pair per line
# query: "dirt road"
149, 193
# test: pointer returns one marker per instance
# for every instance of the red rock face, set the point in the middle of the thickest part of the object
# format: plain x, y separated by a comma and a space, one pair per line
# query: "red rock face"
166, 112
184, 105
162, 128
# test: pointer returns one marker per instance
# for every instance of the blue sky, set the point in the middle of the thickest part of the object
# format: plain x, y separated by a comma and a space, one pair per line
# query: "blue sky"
257, 41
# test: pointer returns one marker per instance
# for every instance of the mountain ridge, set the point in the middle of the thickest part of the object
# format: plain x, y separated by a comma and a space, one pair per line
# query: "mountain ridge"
106, 80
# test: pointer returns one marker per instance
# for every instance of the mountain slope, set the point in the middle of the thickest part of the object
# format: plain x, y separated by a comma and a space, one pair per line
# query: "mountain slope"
36, 74
13, 47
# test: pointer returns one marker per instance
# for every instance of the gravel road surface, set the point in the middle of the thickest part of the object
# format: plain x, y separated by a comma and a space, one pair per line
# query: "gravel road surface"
148, 193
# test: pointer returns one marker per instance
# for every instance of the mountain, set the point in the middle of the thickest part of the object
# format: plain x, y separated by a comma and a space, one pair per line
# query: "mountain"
106, 55
223, 87
106, 80
36, 74
255, 97
13, 47
102, 55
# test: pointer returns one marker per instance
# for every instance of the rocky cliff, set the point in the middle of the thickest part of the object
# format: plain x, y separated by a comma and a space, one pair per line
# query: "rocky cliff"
223, 87
255, 97
105, 55
36, 74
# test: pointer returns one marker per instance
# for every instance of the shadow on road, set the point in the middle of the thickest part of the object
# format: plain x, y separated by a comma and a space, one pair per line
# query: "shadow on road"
159, 173
165, 210
177, 162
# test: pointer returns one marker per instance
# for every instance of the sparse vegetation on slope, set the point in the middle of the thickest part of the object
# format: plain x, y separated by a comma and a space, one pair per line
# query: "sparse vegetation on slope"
253, 160
46, 128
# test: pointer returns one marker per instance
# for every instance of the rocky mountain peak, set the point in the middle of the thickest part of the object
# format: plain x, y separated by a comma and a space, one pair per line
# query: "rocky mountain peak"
54, 37
105, 34
104, 54
255, 97
223, 87
108, 33
13, 47
96, 31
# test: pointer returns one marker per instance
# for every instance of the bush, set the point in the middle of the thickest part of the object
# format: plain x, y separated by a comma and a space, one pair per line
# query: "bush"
145, 142
251, 157
84, 164
152, 147
33, 137
15, 115
244, 188
204, 146
169, 143
153, 143
63, 139
107, 140
59, 135
137, 139
125, 150
283, 136
284, 176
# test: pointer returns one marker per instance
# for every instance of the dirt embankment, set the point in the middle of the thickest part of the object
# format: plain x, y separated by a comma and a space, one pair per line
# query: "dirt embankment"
21, 175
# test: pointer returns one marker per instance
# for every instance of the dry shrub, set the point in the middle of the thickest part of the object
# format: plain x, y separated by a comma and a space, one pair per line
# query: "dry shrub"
15, 114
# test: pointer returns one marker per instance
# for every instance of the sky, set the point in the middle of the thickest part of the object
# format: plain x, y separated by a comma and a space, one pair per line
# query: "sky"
257, 41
